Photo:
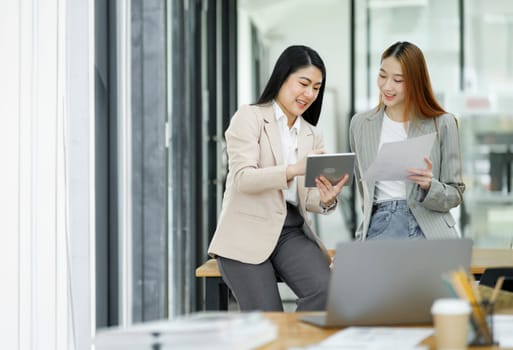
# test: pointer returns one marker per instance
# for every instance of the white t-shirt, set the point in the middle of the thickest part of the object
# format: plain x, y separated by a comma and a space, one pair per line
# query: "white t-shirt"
391, 131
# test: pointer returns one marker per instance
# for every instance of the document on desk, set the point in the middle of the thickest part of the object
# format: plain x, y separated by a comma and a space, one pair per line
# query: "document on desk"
200, 330
395, 158
376, 338
502, 330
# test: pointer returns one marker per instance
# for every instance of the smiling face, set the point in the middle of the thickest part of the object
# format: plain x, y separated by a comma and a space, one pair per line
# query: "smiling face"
392, 87
299, 91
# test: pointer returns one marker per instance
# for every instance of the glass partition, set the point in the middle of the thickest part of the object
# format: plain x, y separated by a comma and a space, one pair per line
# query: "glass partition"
468, 47
486, 122
380, 23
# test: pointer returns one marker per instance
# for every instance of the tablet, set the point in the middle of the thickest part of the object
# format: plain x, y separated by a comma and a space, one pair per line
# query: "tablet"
332, 166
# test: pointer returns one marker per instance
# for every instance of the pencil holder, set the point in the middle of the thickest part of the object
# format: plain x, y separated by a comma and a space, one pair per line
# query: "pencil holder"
482, 324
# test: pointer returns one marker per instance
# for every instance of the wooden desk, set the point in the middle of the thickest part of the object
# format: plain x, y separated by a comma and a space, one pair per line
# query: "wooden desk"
484, 258
217, 292
294, 333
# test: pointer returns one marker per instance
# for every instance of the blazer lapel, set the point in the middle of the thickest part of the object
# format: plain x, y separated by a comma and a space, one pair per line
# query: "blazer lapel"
272, 131
372, 137
421, 126
304, 140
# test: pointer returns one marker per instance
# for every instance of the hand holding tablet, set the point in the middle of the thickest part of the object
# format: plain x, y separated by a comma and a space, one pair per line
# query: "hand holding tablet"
332, 166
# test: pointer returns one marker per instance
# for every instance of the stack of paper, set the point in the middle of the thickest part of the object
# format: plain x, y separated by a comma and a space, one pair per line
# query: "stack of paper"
375, 338
206, 330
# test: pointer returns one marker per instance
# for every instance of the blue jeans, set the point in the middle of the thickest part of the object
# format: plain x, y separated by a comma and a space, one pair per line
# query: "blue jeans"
393, 220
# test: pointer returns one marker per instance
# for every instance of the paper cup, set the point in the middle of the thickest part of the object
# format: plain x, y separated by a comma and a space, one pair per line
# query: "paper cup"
451, 322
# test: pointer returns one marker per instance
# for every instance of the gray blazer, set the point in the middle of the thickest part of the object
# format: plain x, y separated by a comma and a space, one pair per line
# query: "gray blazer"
430, 208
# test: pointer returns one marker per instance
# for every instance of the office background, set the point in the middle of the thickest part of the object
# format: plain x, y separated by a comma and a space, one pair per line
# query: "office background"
112, 137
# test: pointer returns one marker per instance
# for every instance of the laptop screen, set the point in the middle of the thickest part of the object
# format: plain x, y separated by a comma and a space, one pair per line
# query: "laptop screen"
387, 282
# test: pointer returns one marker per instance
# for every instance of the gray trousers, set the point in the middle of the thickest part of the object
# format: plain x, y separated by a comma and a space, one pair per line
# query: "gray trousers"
297, 260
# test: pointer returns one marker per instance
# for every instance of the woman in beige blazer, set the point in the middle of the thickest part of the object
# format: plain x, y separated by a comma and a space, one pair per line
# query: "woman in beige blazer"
263, 230
419, 207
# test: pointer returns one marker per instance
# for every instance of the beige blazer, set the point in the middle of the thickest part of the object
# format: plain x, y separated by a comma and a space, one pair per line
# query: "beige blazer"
431, 208
254, 208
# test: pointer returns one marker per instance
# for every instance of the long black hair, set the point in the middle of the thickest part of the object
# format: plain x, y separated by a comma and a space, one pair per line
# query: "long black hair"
292, 59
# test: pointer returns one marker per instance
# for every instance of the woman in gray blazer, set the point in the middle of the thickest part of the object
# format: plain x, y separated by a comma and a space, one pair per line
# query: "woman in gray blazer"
419, 207
263, 229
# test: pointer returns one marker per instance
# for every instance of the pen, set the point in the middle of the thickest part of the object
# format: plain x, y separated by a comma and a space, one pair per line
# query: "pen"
498, 286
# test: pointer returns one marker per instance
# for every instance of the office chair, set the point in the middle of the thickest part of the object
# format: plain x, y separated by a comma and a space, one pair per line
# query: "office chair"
491, 274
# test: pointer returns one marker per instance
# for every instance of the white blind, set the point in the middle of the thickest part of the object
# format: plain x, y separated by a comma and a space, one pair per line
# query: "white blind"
40, 294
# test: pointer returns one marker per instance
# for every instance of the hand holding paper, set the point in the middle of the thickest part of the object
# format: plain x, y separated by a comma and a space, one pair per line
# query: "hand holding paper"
422, 177
395, 158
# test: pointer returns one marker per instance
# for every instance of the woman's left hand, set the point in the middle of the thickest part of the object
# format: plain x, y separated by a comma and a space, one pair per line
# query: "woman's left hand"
422, 177
328, 191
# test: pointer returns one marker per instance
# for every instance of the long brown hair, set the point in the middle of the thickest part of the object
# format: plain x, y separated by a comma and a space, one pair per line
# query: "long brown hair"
419, 98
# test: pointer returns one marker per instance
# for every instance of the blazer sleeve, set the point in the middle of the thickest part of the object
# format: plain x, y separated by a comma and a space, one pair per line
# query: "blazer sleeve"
446, 192
253, 171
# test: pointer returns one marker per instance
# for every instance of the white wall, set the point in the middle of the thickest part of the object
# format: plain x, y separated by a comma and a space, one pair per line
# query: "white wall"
244, 69
41, 288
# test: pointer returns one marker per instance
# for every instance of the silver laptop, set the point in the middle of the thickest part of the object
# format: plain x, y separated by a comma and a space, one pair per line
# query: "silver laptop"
389, 282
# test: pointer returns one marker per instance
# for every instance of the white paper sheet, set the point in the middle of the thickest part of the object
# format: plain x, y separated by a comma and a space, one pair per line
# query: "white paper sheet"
503, 330
375, 338
215, 330
395, 158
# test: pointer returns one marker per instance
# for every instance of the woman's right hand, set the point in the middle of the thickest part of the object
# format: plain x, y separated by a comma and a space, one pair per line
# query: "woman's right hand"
299, 168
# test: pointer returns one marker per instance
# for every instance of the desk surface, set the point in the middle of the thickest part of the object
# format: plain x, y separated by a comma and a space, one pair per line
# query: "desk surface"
294, 333
481, 259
